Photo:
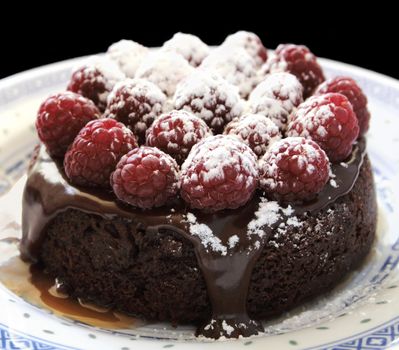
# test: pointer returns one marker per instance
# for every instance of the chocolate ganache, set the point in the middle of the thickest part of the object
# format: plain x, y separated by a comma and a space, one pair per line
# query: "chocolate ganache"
227, 243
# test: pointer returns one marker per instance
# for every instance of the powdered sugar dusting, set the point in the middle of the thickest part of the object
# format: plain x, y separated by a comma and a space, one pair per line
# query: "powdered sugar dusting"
145, 99
256, 130
333, 183
108, 69
267, 214
250, 42
235, 65
141, 88
205, 234
283, 87
128, 55
165, 69
233, 241
223, 151
276, 97
189, 46
344, 165
311, 117
294, 221
272, 109
210, 97
227, 328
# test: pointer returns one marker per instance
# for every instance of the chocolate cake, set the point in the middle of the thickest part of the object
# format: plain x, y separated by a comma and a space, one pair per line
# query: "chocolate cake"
223, 242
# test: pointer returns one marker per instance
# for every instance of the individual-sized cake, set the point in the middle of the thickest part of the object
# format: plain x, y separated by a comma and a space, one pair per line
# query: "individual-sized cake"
220, 212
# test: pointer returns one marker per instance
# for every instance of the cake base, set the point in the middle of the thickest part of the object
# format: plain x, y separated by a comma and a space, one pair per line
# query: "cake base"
112, 263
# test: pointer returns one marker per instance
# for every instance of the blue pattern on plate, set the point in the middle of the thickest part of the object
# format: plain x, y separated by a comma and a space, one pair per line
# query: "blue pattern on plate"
11, 340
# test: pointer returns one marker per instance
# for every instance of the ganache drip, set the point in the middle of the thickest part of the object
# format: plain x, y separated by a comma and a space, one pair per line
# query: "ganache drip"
227, 244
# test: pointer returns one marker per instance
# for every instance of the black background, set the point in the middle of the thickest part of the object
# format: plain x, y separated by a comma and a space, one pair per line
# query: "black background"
31, 39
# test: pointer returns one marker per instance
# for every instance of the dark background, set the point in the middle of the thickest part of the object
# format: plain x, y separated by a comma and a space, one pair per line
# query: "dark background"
35, 39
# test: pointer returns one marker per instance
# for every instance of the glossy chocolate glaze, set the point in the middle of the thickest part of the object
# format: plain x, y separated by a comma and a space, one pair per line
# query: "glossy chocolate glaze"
47, 193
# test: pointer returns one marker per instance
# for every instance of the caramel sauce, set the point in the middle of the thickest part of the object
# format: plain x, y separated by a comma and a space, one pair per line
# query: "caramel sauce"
33, 285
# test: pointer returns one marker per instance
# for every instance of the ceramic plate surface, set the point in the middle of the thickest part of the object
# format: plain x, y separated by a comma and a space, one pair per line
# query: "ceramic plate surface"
361, 313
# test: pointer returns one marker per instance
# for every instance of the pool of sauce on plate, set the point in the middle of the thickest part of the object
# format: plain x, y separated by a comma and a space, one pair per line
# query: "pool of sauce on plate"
33, 285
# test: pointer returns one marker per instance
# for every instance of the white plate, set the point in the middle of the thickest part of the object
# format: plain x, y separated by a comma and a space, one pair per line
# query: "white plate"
362, 313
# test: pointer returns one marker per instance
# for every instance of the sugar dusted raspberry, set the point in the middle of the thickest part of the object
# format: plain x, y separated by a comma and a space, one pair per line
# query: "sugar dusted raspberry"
293, 169
95, 151
209, 97
219, 173
189, 46
145, 177
256, 130
128, 55
250, 42
348, 87
95, 78
176, 133
235, 65
165, 69
60, 118
272, 109
282, 87
328, 120
135, 103
299, 61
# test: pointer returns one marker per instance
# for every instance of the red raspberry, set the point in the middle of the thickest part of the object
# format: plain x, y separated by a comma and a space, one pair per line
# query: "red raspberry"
135, 103
145, 177
297, 60
96, 150
348, 87
294, 168
209, 97
189, 46
276, 97
256, 130
219, 173
235, 65
95, 80
250, 42
328, 120
60, 118
176, 133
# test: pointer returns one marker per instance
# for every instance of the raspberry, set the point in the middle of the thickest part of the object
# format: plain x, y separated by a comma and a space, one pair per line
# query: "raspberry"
176, 133
328, 120
165, 69
95, 79
96, 150
257, 131
128, 55
189, 46
60, 118
348, 87
250, 42
145, 177
135, 103
235, 65
209, 97
299, 61
284, 89
293, 169
219, 173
